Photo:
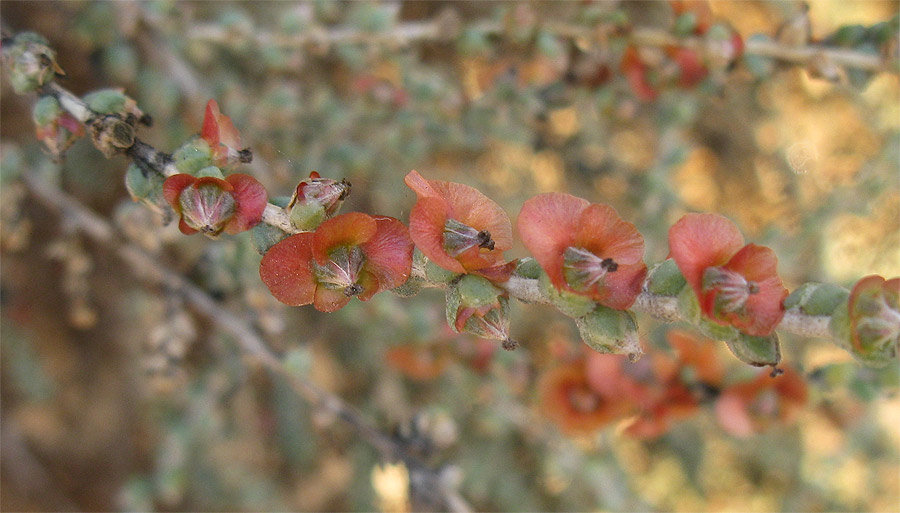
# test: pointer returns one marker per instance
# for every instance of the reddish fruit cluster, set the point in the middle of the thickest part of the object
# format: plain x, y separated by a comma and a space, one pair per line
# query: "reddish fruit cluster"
651, 395
351, 255
690, 65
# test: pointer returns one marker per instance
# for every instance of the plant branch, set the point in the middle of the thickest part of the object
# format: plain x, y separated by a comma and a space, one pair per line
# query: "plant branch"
149, 270
663, 308
442, 28
660, 307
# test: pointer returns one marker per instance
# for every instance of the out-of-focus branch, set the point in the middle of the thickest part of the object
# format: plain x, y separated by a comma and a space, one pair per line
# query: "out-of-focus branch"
149, 270
439, 29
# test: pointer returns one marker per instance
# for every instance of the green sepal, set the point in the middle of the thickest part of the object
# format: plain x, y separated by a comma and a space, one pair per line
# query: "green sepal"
569, 303
665, 279
211, 171
437, 274
756, 351
410, 288
816, 298
606, 330
307, 216
192, 156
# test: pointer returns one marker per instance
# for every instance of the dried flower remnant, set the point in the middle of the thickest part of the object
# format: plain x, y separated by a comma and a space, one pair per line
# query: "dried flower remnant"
584, 248
212, 205
349, 255
54, 127
459, 228
736, 284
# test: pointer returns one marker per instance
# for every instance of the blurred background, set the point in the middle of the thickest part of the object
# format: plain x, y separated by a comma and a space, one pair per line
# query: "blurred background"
119, 396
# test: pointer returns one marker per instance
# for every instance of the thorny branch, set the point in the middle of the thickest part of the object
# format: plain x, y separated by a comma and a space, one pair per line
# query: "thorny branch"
151, 271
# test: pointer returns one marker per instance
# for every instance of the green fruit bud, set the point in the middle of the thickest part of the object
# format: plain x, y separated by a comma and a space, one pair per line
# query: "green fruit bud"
756, 351
477, 307
610, 331
665, 279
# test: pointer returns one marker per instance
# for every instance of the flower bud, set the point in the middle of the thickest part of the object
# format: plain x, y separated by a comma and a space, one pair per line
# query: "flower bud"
316, 200
30, 61
476, 306
607, 330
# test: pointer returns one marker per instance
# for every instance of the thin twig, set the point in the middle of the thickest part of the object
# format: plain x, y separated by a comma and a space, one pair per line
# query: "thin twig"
149, 270
433, 31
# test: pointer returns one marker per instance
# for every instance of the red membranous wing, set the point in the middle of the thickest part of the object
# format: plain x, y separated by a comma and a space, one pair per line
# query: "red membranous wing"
351, 229
439, 201
174, 186
218, 128
329, 300
251, 199
389, 253
286, 270
547, 225
764, 309
426, 227
698, 241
